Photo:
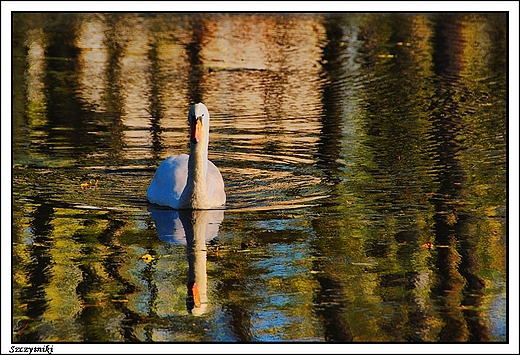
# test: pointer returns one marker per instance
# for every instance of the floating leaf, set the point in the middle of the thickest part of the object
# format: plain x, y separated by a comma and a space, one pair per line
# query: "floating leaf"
89, 185
428, 245
147, 258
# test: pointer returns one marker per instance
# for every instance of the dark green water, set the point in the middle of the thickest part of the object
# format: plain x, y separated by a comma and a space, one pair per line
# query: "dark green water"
347, 143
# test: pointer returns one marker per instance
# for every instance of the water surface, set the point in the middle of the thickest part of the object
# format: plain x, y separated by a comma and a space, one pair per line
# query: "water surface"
364, 158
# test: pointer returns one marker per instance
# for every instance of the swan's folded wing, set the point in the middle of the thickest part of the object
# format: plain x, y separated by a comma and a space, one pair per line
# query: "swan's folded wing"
169, 181
215, 186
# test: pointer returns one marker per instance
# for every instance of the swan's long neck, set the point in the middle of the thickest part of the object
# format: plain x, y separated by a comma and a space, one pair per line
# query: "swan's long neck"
198, 161
197, 171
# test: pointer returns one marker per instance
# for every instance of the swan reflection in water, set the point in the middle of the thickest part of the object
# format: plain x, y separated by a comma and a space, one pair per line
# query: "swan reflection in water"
193, 228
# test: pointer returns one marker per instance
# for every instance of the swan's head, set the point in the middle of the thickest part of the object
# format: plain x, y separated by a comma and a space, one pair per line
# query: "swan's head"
199, 122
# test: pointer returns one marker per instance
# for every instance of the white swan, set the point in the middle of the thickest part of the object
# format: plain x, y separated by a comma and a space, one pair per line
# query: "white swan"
190, 182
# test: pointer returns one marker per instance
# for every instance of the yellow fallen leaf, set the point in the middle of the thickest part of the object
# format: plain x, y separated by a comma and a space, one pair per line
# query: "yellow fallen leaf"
147, 258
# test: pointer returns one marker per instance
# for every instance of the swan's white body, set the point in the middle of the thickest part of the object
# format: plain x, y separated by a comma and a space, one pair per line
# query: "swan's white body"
190, 182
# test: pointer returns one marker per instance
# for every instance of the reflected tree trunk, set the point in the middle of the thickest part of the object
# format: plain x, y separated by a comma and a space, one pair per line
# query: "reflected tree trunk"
456, 259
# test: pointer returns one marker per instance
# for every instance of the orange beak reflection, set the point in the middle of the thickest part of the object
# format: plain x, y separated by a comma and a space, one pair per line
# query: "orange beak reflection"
196, 295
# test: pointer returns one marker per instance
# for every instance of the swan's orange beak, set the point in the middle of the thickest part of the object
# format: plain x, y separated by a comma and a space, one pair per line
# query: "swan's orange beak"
196, 130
